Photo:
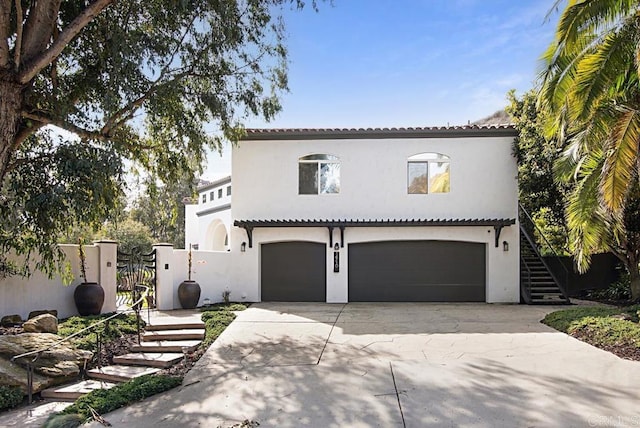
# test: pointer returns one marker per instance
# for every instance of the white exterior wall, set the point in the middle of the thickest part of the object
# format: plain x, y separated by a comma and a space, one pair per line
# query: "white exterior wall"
210, 269
22, 295
373, 185
201, 219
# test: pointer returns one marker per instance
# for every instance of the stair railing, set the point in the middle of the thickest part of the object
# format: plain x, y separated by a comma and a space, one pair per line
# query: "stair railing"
525, 290
35, 354
561, 284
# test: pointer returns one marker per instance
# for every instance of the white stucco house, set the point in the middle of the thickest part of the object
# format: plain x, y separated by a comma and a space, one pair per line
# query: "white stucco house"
208, 223
345, 215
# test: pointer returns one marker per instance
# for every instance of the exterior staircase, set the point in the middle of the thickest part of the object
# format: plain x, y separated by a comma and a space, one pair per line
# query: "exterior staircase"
163, 344
538, 284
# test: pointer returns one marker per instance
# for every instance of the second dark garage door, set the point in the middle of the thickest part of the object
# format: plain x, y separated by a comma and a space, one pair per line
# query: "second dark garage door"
417, 271
294, 272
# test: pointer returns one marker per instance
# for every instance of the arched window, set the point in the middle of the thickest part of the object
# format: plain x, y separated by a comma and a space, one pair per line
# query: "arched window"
428, 173
318, 174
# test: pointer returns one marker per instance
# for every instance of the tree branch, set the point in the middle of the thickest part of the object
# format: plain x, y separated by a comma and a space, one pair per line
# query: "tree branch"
72, 30
5, 17
81, 132
18, 46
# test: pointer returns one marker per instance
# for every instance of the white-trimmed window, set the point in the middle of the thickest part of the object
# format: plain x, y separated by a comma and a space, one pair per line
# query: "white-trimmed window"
428, 173
318, 174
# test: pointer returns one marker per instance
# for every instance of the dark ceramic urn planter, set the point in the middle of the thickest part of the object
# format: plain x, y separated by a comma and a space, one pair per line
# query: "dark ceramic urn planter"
89, 298
189, 294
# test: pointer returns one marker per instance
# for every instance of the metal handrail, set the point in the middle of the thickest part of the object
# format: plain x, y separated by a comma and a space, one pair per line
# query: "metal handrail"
561, 284
527, 295
135, 307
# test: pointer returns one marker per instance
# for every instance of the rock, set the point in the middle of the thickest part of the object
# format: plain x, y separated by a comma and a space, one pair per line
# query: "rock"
625, 317
34, 314
10, 320
45, 323
54, 366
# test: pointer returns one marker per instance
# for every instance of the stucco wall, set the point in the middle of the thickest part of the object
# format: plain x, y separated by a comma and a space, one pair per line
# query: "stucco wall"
210, 269
23, 295
374, 186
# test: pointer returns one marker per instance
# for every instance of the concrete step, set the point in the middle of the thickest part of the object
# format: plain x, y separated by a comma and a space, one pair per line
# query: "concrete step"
118, 373
72, 392
149, 359
184, 334
167, 346
175, 326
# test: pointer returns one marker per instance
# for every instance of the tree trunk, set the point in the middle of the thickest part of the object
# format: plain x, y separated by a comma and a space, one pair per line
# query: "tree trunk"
10, 106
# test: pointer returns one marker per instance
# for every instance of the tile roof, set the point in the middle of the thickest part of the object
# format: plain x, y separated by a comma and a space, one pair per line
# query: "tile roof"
489, 130
373, 222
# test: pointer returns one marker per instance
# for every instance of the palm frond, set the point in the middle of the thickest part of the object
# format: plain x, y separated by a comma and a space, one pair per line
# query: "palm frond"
621, 159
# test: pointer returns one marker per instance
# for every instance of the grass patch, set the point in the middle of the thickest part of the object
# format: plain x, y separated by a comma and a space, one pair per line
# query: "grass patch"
117, 327
216, 318
108, 400
598, 326
10, 397
567, 319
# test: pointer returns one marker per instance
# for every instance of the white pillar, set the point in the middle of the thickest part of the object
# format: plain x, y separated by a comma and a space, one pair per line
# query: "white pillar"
164, 276
107, 262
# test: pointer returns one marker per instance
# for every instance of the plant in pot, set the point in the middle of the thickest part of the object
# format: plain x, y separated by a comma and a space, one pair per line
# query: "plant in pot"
88, 296
189, 290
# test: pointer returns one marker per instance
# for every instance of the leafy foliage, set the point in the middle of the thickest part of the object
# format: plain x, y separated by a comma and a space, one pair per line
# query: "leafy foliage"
108, 400
591, 98
10, 396
570, 319
538, 191
132, 82
117, 327
619, 290
217, 318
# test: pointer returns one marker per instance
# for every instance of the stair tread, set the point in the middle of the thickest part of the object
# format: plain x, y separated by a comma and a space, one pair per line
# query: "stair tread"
150, 359
120, 373
75, 390
185, 334
175, 326
166, 345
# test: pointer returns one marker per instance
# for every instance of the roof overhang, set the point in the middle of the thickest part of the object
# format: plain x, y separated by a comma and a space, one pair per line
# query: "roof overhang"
249, 225
506, 130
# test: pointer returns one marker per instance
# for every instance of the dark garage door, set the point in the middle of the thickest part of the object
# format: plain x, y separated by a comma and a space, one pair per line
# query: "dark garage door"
294, 272
417, 271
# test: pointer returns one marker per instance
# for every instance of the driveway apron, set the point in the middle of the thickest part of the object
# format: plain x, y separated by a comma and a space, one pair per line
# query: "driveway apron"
396, 365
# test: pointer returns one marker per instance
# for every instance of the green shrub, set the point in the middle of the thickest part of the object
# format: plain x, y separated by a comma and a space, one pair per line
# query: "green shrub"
108, 400
57, 420
117, 327
215, 322
10, 396
225, 307
608, 331
619, 290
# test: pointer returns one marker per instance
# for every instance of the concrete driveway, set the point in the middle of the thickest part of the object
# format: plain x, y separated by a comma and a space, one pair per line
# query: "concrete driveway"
397, 365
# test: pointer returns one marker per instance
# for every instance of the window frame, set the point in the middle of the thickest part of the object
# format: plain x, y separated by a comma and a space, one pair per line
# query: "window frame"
319, 159
428, 159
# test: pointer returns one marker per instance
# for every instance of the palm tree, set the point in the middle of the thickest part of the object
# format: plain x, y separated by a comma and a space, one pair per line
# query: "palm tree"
590, 92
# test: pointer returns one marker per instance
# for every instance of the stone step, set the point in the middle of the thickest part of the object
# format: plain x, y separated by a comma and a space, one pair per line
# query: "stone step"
118, 373
149, 359
72, 392
184, 334
167, 346
175, 326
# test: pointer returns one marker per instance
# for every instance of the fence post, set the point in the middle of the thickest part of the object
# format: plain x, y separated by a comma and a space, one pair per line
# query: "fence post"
108, 260
164, 276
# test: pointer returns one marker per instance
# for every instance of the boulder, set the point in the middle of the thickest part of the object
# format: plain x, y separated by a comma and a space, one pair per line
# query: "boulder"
34, 314
10, 320
45, 323
52, 367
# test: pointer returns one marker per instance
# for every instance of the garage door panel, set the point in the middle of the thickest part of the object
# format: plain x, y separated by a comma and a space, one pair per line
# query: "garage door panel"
437, 271
293, 272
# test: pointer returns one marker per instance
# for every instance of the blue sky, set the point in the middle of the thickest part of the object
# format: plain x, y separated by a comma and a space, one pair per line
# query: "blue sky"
386, 63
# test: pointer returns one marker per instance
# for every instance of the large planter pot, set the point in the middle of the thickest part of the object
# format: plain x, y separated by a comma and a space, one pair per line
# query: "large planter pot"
189, 294
89, 297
